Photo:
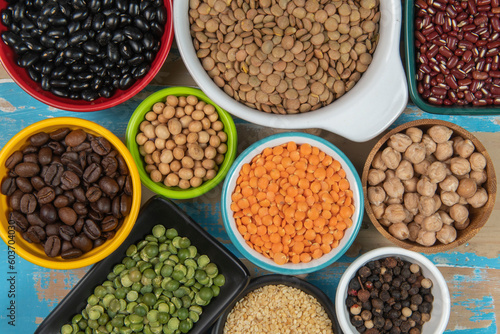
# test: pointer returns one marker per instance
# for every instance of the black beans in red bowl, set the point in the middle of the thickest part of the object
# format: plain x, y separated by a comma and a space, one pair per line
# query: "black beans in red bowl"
84, 55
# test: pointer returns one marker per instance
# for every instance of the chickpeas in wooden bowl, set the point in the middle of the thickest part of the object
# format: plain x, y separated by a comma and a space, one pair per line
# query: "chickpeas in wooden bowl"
182, 143
430, 185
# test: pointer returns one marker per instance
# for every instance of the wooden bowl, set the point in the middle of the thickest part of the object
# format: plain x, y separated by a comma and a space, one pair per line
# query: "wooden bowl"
478, 217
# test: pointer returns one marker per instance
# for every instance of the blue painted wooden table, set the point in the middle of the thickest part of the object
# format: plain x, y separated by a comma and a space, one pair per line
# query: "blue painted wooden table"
472, 270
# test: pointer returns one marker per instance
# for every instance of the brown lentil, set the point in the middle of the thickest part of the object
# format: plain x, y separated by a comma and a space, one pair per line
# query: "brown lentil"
258, 51
278, 309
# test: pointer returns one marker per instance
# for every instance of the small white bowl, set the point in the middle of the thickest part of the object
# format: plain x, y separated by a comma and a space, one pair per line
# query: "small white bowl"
259, 259
374, 103
441, 305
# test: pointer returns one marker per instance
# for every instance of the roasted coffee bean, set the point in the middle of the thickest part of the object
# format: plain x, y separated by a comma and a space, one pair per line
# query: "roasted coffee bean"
99, 242
24, 185
93, 194
48, 213
69, 157
45, 195
75, 138
27, 169
125, 205
85, 146
67, 215
82, 242
37, 182
19, 221
69, 180
103, 205
110, 234
109, 186
79, 194
71, 253
115, 207
36, 234
76, 168
91, 229
39, 139
15, 200
31, 157
14, 159
80, 209
28, 203
101, 146
67, 232
65, 246
61, 201
45, 156
29, 149
122, 165
109, 223
9, 186
59, 134
52, 246
110, 165
92, 173
95, 215
35, 220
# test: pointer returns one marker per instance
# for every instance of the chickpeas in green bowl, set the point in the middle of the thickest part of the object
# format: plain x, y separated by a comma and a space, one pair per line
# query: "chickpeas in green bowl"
182, 143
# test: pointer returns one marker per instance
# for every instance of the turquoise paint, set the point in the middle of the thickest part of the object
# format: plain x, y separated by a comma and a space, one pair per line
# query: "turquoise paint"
465, 260
484, 313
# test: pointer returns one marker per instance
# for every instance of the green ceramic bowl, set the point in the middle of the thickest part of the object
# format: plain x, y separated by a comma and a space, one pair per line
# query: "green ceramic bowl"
158, 187
411, 74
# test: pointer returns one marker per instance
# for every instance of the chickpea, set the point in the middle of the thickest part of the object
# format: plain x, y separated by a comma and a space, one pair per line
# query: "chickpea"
409, 217
182, 101
477, 161
479, 199
164, 168
376, 195
404, 170
460, 166
425, 187
184, 184
178, 153
156, 157
149, 131
445, 217
415, 134
187, 162
394, 187
155, 176
479, 176
223, 136
170, 144
195, 182
447, 234
399, 231
429, 144
384, 222
399, 142
192, 138
444, 150
195, 126
168, 112
462, 225
459, 213
179, 112
437, 172
150, 116
375, 176
198, 115
395, 213
411, 201
196, 152
377, 162
200, 172
464, 148
206, 124
467, 188
210, 174
141, 138
440, 133
415, 153
208, 164
222, 148
450, 183
427, 206
214, 141
166, 156
391, 157
411, 184
188, 109
426, 238
413, 230
149, 147
185, 121
422, 168
378, 210
217, 126
175, 166
418, 219
160, 144
449, 198
209, 109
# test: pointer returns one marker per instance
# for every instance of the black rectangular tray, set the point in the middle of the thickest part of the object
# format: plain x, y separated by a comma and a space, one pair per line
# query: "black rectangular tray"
158, 210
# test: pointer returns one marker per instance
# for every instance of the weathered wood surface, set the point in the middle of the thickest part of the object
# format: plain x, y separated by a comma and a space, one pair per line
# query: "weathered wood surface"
472, 270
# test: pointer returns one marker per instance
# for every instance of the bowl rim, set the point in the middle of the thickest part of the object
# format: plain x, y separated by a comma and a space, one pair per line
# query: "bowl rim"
410, 64
385, 98
413, 245
175, 192
252, 255
83, 106
278, 279
378, 253
127, 225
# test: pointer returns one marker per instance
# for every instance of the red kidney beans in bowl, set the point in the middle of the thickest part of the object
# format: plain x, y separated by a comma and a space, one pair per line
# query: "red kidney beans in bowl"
458, 47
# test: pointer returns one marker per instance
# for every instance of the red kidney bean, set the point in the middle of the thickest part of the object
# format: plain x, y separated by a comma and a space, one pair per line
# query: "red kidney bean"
483, 8
472, 6
452, 62
479, 102
471, 37
450, 80
467, 56
445, 52
483, 2
480, 64
419, 36
493, 45
421, 4
451, 11
495, 90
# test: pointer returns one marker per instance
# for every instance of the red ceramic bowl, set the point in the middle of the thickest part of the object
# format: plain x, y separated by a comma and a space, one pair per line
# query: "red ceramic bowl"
21, 77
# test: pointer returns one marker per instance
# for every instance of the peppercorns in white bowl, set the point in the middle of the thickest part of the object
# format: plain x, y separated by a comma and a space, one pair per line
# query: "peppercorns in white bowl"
392, 287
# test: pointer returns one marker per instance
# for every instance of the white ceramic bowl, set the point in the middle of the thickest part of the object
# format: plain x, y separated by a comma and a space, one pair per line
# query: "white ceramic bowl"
259, 259
367, 110
440, 307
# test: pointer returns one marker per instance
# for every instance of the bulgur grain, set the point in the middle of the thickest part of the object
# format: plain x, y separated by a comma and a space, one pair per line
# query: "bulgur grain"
278, 309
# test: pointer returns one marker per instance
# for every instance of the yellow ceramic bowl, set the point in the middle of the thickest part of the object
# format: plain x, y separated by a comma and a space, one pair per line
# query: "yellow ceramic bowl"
34, 252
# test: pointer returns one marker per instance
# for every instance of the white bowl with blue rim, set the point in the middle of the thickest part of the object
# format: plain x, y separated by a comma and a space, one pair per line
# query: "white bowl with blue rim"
259, 259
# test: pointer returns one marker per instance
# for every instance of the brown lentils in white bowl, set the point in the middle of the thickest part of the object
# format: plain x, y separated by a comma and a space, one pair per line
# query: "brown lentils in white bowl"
282, 56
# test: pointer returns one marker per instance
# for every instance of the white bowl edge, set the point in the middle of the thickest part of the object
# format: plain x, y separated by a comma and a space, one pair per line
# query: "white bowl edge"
372, 106
441, 306
290, 268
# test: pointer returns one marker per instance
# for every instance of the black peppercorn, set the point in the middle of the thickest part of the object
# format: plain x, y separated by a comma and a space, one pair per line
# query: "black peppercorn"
377, 284
390, 262
377, 303
396, 282
413, 291
367, 305
357, 321
405, 327
384, 295
354, 284
386, 286
378, 322
429, 298
350, 301
395, 330
425, 307
364, 272
366, 315
394, 314
387, 324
